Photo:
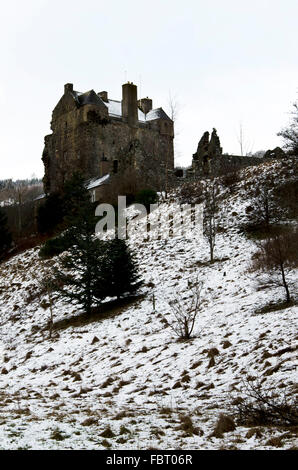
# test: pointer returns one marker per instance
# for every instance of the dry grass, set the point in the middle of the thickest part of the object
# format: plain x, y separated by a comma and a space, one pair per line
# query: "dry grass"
224, 424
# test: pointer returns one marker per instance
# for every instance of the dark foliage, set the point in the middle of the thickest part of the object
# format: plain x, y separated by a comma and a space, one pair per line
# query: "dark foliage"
147, 197
59, 210
92, 269
55, 246
118, 269
5, 235
50, 214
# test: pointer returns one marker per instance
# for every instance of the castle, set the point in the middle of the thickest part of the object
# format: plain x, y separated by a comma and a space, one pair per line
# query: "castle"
97, 136
100, 138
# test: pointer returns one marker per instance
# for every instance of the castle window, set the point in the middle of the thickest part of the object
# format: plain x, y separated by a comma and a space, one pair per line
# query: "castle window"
115, 166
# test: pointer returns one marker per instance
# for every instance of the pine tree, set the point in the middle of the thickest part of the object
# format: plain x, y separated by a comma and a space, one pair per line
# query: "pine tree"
50, 214
92, 269
5, 235
119, 272
79, 269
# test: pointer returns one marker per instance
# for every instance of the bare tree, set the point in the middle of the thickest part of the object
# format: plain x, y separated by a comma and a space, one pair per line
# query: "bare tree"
290, 133
245, 146
20, 196
211, 208
275, 257
186, 310
174, 108
262, 212
265, 208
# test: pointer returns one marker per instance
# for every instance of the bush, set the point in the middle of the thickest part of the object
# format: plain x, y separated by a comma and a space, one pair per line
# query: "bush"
5, 235
230, 180
146, 197
224, 424
258, 407
55, 246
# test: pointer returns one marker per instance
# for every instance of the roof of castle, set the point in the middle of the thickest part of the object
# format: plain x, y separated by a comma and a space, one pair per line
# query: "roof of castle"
115, 108
95, 182
157, 113
89, 97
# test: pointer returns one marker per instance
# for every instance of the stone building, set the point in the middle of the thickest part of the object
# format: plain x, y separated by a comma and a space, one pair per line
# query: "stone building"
97, 136
209, 158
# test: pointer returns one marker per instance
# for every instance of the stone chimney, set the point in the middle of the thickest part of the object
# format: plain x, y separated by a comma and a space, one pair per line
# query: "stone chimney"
145, 104
130, 104
68, 87
103, 95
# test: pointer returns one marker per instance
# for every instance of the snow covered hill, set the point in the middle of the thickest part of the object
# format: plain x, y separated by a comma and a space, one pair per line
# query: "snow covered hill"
123, 380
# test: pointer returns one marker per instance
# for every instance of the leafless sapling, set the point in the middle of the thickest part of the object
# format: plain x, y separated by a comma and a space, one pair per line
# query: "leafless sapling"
185, 311
211, 208
276, 256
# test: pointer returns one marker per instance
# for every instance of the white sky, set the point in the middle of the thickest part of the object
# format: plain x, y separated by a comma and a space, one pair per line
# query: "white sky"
226, 62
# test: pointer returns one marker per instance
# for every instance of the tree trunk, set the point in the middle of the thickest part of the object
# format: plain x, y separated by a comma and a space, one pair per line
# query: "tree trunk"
285, 283
211, 251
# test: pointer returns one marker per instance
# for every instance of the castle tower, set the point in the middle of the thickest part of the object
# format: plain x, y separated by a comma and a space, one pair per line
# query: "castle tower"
130, 104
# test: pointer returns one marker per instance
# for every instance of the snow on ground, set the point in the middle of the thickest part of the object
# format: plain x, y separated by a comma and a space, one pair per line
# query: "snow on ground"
122, 380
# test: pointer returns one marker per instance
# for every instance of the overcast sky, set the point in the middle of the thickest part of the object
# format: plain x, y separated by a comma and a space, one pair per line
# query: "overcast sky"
226, 62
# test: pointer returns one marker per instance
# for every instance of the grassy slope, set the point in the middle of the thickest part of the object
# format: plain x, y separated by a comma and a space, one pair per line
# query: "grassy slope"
136, 377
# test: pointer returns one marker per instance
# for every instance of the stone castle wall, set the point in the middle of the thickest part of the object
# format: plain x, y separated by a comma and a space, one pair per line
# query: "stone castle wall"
87, 139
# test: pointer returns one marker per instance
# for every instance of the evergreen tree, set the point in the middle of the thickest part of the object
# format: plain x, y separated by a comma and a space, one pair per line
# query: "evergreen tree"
75, 196
119, 273
5, 235
58, 210
79, 269
91, 269
50, 214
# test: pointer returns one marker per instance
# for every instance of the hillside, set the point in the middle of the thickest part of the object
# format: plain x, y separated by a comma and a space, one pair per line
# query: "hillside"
122, 379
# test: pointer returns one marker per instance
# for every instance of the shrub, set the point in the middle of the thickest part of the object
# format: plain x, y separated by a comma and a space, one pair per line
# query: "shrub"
146, 197
258, 406
5, 235
224, 424
55, 246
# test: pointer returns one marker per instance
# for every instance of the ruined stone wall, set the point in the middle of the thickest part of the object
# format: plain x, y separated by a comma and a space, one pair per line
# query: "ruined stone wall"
221, 165
210, 161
